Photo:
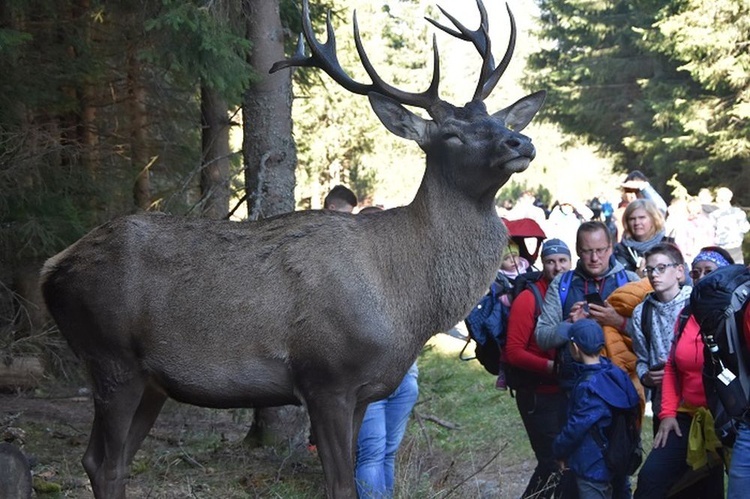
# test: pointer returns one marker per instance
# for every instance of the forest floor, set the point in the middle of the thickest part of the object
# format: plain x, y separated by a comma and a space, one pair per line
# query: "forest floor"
196, 452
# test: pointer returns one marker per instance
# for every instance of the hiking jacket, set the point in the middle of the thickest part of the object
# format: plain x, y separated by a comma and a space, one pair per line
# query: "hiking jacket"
598, 387
683, 374
521, 349
655, 351
549, 333
617, 343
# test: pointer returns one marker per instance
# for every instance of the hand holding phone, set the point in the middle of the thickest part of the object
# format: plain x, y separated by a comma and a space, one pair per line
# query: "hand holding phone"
594, 299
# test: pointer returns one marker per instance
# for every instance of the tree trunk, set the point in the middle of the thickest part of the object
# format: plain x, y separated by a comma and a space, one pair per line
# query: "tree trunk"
268, 147
138, 139
215, 169
270, 158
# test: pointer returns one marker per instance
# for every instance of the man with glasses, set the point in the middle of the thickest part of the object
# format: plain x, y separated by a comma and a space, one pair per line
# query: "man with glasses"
596, 272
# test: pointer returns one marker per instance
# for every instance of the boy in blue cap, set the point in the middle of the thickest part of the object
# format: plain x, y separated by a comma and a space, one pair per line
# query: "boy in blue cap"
600, 386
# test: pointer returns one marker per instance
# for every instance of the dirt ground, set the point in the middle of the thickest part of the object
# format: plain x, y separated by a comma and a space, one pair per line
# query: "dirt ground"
197, 452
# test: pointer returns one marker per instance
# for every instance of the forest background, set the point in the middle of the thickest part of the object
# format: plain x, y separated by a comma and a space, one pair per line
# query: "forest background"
107, 108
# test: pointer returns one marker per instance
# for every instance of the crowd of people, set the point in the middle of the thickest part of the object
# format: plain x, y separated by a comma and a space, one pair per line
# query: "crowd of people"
615, 330
604, 328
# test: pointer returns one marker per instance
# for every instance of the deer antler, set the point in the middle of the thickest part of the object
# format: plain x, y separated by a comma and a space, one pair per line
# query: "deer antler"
323, 56
489, 75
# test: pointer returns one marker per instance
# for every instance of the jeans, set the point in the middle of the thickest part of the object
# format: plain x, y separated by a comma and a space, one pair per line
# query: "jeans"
382, 429
739, 469
543, 415
593, 490
666, 465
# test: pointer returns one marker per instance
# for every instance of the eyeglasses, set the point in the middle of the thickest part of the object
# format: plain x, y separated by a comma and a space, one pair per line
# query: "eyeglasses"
589, 252
660, 269
696, 274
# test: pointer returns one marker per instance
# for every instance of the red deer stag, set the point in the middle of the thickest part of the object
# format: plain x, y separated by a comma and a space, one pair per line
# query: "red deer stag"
318, 308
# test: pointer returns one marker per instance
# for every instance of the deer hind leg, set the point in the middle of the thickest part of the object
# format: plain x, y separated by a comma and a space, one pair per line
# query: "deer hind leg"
106, 461
332, 421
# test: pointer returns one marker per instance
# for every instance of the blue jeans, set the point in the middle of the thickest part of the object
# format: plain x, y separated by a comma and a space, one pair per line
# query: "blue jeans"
593, 490
382, 429
739, 469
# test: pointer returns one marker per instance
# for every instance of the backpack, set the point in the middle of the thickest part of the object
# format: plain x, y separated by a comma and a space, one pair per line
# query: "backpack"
623, 452
488, 321
718, 302
621, 277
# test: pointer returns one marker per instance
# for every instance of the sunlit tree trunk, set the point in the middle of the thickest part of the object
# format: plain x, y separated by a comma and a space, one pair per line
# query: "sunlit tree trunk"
269, 151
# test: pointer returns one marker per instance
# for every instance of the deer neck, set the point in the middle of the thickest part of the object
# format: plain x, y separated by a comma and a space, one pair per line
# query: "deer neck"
461, 240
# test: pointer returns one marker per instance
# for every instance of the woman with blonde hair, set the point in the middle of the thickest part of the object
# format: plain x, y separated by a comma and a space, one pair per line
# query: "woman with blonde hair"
643, 229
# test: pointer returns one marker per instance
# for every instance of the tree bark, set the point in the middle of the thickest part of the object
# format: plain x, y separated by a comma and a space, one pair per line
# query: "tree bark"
214, 181
138, 139
269, 152
270, 158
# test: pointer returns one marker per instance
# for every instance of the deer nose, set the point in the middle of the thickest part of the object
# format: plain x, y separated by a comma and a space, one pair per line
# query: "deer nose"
521, 145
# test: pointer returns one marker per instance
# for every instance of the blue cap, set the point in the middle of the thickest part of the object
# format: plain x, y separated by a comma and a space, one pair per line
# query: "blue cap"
554, 247
588, 335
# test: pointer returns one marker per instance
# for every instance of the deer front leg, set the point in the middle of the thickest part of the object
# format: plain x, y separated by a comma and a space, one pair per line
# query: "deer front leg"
332, 421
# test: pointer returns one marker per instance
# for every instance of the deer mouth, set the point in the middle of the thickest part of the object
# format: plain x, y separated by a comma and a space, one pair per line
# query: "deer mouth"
516, 165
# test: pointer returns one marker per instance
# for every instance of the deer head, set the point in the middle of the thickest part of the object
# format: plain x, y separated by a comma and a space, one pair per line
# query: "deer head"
465, 137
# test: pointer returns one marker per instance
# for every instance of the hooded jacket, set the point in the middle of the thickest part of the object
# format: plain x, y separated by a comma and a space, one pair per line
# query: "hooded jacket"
618, 345
599, 386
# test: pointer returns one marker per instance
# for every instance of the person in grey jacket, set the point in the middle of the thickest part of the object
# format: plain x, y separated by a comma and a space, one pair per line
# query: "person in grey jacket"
597, 271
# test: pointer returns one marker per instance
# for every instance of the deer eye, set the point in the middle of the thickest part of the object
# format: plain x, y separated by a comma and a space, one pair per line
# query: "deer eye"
452, 139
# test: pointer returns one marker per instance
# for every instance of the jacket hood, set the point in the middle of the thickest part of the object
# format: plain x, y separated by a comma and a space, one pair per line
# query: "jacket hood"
612, 385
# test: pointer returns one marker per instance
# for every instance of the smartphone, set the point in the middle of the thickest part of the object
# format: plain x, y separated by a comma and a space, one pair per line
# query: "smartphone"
594, 298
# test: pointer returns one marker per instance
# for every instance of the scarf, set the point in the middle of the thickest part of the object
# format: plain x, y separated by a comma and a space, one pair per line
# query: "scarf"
640, 247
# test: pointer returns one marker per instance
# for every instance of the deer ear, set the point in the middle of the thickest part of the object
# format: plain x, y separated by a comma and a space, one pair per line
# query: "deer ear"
518, 115
398, 119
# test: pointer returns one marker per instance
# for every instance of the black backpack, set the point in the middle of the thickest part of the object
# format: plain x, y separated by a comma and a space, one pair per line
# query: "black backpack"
623, 451
487, 322
718, 302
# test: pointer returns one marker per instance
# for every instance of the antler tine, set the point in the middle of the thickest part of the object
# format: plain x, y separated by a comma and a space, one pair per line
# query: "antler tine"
323, 56
500, 69
423, 99
478, 37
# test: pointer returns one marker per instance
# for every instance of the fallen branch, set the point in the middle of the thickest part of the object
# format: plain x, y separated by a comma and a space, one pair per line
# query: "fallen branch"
438, 421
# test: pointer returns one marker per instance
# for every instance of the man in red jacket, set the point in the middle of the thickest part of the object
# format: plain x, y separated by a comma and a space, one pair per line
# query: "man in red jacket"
530, 370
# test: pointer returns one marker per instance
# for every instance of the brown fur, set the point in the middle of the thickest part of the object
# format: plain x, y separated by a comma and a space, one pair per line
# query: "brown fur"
317, 308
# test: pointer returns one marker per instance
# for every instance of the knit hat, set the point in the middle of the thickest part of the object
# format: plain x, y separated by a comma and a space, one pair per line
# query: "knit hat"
554, 247
588, 335
511, 249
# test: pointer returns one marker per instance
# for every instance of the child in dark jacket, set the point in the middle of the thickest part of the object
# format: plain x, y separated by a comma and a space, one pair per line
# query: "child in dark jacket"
600, 385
